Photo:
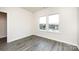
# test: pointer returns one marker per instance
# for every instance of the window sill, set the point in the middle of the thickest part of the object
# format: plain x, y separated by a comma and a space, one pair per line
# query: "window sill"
49, 31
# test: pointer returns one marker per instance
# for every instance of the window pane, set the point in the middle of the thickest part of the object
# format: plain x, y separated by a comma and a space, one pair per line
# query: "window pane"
43, 20
42, 24
53, 23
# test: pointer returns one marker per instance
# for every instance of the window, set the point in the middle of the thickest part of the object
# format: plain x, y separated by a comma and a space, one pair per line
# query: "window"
49, 23
42, 24
53, 22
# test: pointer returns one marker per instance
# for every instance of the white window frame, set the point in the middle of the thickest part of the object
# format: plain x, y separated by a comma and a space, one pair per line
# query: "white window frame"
39, 24
47, 24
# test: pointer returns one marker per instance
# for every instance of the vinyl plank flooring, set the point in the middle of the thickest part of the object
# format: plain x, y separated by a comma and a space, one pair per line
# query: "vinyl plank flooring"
36, 43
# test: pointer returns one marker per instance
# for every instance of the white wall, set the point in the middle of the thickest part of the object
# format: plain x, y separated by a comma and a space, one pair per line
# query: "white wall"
68, 25
19, 22
3, 26
78, 28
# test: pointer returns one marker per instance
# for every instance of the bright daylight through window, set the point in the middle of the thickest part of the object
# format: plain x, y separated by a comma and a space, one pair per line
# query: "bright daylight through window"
42, 23
49, 23
53, 22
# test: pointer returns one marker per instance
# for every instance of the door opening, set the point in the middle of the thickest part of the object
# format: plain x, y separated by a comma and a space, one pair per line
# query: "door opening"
3, 27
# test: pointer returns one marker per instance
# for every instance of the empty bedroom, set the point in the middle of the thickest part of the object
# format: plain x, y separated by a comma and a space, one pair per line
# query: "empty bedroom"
39, 29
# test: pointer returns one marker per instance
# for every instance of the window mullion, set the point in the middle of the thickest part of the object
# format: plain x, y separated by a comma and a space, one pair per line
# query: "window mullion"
46, 23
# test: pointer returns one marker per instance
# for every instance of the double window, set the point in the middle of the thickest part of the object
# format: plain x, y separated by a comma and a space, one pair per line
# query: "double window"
49, 23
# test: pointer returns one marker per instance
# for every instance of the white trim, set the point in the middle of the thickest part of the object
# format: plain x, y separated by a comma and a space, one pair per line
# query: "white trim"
3, 36
39, 23
47, 23
60, 41
47, 28
18, 38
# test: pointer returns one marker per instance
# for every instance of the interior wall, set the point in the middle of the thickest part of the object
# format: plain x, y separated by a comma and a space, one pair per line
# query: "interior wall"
19, 22
67, 27
3, 25
78, 28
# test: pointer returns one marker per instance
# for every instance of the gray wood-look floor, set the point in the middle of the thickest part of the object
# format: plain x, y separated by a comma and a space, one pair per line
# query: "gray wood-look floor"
36, 43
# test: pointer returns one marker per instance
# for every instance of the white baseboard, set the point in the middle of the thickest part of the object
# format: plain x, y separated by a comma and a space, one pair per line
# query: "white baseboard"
18, 38
3, 36
43, 37
59, 40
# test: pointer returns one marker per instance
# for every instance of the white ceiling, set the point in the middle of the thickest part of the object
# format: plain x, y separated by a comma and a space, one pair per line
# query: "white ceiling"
34, 9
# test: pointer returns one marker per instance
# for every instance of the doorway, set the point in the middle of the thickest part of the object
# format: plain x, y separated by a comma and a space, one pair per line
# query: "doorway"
3, 27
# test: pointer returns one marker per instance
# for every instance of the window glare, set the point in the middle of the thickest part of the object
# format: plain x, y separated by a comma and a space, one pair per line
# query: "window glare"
49, 23
53, 19
43, 20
